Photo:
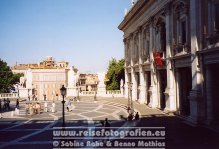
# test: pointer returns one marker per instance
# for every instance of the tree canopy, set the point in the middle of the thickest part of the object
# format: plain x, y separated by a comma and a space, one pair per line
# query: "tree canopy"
114, 74
7, 78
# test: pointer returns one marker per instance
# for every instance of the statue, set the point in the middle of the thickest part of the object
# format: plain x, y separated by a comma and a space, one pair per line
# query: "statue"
23, 82
121, 83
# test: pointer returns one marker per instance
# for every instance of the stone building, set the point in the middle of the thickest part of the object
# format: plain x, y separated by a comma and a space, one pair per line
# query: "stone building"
172, 56
88, 82
43, 81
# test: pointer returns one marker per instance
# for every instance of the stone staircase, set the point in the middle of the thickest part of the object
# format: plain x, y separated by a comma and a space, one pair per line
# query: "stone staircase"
22, 112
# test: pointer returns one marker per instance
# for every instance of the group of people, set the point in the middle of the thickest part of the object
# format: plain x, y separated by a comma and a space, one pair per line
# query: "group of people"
47, 108
32, 108
133, 117
5, 105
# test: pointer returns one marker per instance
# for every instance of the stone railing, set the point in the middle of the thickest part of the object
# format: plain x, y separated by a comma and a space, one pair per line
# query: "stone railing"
87, 93
113, 92
9, 95
107, 93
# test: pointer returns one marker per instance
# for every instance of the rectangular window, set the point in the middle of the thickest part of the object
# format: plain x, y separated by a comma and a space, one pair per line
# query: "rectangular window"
183, 31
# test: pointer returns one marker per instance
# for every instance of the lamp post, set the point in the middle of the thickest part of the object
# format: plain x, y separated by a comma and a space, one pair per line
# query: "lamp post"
95, 94
63, 93
77, 84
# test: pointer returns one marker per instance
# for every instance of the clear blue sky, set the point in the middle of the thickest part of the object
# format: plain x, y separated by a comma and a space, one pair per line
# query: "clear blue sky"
83, 32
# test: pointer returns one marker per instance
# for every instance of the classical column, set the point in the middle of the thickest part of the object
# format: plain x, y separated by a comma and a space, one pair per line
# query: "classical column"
133, 80
141, 70
153, 88
195, 97
142, 85
169, 92
126, 60
177, 85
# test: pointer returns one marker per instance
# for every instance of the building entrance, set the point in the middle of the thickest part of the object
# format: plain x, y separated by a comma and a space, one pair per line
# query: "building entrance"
184, 88
212, 92
162, 79
148, 84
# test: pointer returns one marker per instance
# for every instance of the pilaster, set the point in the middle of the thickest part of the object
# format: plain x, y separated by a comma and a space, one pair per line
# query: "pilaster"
142, 85
169, 92
153, 88
195, 97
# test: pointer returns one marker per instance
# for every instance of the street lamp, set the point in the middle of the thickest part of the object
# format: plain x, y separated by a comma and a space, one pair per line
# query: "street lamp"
95, 94
63, 93
77, 84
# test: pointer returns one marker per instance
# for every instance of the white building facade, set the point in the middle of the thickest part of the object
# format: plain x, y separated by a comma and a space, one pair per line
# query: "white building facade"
43, 81
171, 56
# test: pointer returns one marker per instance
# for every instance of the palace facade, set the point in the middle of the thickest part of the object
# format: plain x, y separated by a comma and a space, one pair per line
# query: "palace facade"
172, 56
43, 81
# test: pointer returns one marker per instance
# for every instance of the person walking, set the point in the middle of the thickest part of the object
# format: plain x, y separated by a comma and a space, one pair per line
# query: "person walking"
4, 105
17, 104
69, 106
8, 104
130, 117
137, 116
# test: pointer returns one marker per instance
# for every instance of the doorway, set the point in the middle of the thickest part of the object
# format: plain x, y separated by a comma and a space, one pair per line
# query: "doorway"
184, 88
162, 80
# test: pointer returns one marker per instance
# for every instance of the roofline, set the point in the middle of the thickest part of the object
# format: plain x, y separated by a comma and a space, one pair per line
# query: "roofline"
132, 12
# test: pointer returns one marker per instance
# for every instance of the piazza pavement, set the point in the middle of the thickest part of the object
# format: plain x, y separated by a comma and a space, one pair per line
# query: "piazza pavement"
36, 131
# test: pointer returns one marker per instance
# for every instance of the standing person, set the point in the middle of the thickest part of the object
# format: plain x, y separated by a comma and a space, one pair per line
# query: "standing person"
4, 105
53, 107
69, 106
130, 117
17, 104
26, 108
31, 109
38, 108
8, 104
137, 116
46, 107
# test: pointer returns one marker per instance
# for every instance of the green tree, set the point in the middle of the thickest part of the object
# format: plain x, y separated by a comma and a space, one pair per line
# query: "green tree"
7, 78
114, 74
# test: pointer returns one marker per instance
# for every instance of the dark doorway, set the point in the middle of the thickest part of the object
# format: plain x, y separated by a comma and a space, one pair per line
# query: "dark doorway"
185, 86
214, 90
138, 84
162, 86
148, 84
